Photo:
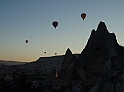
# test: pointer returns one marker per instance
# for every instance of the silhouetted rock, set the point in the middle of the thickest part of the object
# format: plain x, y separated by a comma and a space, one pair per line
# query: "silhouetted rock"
68, 56
100, 49
68, 68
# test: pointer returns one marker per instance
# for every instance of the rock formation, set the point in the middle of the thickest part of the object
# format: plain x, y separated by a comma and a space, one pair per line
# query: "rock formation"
67, 58
101, 59
101, 56
68, 68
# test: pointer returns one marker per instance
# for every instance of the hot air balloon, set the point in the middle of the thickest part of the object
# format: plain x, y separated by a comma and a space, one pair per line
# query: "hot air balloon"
45, 52
83, 15
55, 53
26, 41
55, 24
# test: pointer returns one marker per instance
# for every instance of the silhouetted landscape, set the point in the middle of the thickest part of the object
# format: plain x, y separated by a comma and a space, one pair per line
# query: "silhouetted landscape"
98, 68
5, 62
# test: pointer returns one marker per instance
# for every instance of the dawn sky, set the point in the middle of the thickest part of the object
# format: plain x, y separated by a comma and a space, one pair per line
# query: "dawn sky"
32, 19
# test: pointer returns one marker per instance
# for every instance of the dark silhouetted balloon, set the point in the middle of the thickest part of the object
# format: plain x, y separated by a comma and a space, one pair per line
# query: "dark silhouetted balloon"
45, 52
26, 41
55, 53
55, 24
83, 16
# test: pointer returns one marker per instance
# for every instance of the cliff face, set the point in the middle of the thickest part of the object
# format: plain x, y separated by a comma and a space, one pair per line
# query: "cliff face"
100, 44
100, 64
101, 56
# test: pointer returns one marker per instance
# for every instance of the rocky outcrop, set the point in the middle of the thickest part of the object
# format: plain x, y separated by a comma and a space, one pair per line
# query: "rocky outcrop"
68, 67
101, 48
67, 58
100, 44
98, 67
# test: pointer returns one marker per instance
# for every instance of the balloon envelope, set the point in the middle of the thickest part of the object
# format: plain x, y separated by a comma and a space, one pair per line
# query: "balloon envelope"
55, 24
26, 41
83, 15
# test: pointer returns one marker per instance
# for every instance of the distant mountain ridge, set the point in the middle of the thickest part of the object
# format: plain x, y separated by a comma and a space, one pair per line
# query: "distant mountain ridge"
6, 62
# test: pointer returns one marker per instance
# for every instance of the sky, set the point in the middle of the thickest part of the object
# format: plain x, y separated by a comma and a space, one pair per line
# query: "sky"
31, 20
